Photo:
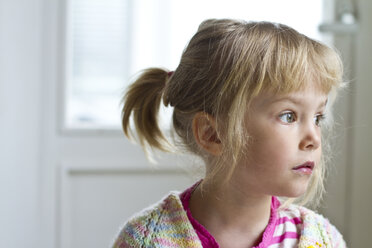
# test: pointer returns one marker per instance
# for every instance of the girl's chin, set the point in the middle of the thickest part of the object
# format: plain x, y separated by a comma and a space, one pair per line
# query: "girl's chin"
294, 192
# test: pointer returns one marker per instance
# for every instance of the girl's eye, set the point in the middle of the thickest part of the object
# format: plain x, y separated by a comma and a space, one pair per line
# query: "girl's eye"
319, 119
288, 117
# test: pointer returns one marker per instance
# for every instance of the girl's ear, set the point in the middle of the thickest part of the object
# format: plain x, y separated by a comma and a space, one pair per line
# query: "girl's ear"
205, 133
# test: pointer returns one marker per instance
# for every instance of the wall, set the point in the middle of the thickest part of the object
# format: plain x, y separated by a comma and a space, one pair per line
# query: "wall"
350, 184
361, 184
20, 94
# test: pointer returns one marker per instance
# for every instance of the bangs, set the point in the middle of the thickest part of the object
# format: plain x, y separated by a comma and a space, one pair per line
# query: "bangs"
292, 61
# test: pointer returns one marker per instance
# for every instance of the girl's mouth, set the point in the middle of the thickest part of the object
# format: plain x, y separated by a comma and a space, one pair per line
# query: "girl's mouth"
305, 168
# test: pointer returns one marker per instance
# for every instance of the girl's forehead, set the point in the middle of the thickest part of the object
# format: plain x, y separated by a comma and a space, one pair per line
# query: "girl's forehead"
299, 97
309, 82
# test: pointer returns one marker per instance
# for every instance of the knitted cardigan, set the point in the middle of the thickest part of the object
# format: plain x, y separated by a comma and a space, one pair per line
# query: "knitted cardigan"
166, 225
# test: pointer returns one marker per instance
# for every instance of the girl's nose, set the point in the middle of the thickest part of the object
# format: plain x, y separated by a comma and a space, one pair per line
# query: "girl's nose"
311, 139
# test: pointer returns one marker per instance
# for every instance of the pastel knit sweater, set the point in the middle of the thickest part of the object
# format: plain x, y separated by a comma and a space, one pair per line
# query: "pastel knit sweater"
166, 225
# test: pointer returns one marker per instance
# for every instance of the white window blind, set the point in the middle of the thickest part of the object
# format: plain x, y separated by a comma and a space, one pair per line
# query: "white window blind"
98, 61
110, 40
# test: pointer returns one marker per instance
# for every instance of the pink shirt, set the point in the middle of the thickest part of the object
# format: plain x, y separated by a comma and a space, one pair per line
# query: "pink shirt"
281, 231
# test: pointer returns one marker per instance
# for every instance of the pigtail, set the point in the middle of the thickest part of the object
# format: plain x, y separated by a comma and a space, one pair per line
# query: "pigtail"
142, 100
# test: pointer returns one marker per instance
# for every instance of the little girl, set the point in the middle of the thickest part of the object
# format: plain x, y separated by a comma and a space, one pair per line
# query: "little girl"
250, 99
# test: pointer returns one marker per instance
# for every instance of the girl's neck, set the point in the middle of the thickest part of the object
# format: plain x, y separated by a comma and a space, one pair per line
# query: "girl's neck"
228, 213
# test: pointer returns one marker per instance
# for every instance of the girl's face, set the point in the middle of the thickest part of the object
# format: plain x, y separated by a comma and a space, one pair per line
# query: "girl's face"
285, 143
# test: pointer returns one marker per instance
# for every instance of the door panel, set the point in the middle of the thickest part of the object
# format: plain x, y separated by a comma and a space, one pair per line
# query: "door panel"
97, 200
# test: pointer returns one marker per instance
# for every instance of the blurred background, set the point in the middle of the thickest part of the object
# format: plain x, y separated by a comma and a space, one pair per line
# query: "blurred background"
69, 178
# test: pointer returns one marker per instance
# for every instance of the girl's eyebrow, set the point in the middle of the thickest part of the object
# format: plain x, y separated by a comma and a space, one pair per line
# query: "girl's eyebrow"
294, 100
325, 103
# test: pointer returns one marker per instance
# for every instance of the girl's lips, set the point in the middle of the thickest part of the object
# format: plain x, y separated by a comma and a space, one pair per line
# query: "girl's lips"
305, 168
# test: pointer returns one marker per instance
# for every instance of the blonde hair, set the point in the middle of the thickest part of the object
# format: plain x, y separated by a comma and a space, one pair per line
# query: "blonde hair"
226, 64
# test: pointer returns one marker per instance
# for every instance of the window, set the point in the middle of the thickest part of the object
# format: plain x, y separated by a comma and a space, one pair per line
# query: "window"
109, 41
